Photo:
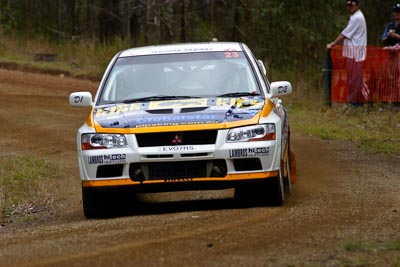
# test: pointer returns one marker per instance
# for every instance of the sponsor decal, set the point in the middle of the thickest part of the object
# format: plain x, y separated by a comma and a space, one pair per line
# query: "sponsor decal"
106, 159
177, 148
179, 103
225, 102
181, 50
203, 102
178, 119
249, 152
244, 102
117, 109
216, 110
171, 180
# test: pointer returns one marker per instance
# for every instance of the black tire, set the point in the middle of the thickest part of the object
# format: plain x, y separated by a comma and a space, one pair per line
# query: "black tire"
91, 201
268, 192
287, 179
286, 182
275, 195
244, 196
105, 204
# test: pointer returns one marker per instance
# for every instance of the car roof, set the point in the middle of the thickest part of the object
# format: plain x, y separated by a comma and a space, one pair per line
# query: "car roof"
182, 48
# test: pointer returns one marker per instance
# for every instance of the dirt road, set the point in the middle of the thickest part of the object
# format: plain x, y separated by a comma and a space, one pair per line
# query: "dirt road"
344, 210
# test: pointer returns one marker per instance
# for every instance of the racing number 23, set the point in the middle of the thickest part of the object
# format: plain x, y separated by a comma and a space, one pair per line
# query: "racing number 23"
231, 54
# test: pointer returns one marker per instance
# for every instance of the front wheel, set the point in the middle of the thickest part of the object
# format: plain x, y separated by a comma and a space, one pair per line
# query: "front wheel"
287, 180
268, 192
276, 192
93, 203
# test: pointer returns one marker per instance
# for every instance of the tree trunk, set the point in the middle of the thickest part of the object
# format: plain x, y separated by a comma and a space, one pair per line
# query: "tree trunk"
183, 22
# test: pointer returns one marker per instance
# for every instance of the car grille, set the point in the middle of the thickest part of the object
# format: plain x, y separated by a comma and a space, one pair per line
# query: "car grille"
182, 170
167, 138
177, 170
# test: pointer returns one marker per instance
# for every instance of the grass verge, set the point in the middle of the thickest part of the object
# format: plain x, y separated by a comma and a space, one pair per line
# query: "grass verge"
375, 129
26, 185
85, 59
359, 252
365, 246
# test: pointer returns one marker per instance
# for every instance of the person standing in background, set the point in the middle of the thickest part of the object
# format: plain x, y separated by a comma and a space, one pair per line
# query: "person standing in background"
391, 40
354, 39
391, 34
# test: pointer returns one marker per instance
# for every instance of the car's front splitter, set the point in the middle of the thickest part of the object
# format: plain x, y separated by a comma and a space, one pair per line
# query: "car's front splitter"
228, 179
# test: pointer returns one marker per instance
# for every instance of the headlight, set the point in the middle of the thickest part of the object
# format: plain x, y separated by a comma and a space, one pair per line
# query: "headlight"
252, 133
96, 141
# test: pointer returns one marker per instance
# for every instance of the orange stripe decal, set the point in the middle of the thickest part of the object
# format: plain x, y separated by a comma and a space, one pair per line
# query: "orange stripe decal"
268, 107
89, 120
229, 177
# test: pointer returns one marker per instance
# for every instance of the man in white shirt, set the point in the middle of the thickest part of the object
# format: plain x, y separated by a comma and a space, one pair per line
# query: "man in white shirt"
354, 38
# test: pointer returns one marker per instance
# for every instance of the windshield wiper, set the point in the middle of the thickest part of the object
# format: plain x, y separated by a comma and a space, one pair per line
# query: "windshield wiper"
158, 97
239, 94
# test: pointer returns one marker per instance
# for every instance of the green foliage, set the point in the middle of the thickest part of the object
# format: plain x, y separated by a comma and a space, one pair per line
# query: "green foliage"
288, 35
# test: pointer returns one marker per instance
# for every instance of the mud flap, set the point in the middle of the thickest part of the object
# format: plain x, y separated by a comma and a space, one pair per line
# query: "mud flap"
293, 169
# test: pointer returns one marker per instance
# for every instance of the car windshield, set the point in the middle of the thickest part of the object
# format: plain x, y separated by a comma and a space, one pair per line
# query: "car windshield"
158, 77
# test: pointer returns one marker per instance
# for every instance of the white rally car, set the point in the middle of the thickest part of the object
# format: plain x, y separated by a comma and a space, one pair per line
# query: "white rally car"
184, 117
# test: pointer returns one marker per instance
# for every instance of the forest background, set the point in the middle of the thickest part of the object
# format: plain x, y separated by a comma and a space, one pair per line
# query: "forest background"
83, 35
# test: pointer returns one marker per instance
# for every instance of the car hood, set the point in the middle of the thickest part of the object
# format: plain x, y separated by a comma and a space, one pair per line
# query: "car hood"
183, 112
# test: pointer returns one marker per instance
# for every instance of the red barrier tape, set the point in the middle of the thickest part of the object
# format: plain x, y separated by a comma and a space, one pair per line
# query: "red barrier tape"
381, 76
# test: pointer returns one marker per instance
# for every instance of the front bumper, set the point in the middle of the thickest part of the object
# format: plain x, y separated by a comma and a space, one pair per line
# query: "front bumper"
230, 181
220, 165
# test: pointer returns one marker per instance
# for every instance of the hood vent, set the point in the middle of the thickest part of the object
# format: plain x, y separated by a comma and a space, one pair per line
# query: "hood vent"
160, 111
171, 111
194, 109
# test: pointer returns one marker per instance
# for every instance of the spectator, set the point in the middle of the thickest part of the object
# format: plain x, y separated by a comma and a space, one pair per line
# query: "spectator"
391, 35
391, 41
354, 39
